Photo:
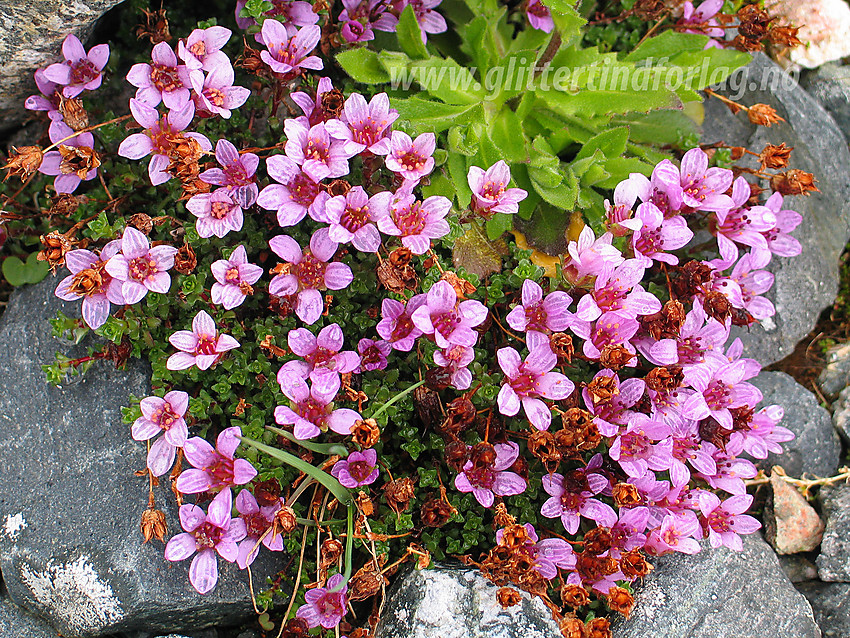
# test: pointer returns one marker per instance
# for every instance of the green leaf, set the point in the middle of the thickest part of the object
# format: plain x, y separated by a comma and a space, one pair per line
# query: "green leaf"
464, 140
657, 127
458, 173
563, 194
612, 143
667, 45
498, 225
430, 115
507, 136
410, 34
18, 273
446, 80
363, 66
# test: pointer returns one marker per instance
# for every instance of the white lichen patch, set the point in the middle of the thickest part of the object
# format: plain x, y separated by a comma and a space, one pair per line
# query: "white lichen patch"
75, 595
14, 524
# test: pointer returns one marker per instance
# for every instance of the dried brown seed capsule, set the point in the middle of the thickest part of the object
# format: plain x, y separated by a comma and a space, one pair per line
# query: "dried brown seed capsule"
598, 540
77, 160
571, 627
141, 221
665, 379
793, 182
435, 512
456, 454
633, 564
267, 492
542, 444
763, 115
775, 157
331, 551
562, 345
365, 432
185, 261
508, 597
399, 493
23, 161
482, 455
56, 245
598, 628
364, 502
153, 525
575, 596
285, 518
620, 600
625, 495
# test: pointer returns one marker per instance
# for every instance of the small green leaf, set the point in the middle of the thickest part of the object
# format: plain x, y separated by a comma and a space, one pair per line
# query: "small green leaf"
431, 115
363, 66
18, 273
458, 173
410, 34
612, 143
507, 136
498, 225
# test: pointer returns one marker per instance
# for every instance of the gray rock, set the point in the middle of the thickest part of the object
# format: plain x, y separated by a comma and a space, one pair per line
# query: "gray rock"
70, 505
816, 449
836, 375
16, 623
457, 602
798, 568
834, 560
830, 602
830, 85
808, 283
31, 37
719, 593
841, 415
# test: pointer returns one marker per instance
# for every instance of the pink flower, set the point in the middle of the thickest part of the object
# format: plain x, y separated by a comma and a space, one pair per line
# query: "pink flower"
429, 20
539, 16
702, 20
417, 223
208, 534
314, 113
164, 80
397, 325
140, 267
644, 445
322, 353
618, 289
67, 175
611, 329
312, 149
234, 278
657, 236
296, 13
157, 137
296, 195
589, 257
203, 346
487, 482
308, 273
202, 49
217, 213
312, 410
359, 17
448, 321
80, 71
541, 315
455, 359
779, 242
373, 354
236, 173
703, 188
214, 469
215, 93
364, 126
90, 281
720, 386
324, 606
162, 415
527, 381
352, 218
676, 534
359, 469
48, 98
724, 521
490, 192
258, 521
618, 218
572, 498
288, 55
413, 160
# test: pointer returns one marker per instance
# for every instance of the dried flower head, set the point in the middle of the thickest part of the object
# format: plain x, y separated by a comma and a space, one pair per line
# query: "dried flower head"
775, 157
364, 502
508, 597
793, 182
153, 525
267, 492
763, 115
620, 600
23, 161
185, 260
399, 493
574, 595
366, 582
436, 512
78, 160
562, 345
56, 245
154, 26
599, 627
571, 627
285, 519
365, 432
142, 222
73, 112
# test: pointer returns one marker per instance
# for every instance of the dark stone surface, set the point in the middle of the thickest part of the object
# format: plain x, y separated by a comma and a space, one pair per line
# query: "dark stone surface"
808, 283
31, 37
719, 593
16, 623
816, 448
830, 602
70, 505
830, 85
836, 375
841, 415
834, 560
798, 568
457, 602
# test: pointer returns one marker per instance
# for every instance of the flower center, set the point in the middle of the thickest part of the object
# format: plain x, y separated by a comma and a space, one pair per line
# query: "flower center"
83, 72
311, 272
313, 411
232, 275
492, 190
354, 218
525, 384
403, 327
165, 78
360, 470
221, 471
220, 210
256, 524
206, 345
214, 95
535, 317
303, 190
409, 219
412, 161
141, 268
207, 536
199, 49
165, 417
445, 323
322, 358
482, 478
717, 395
